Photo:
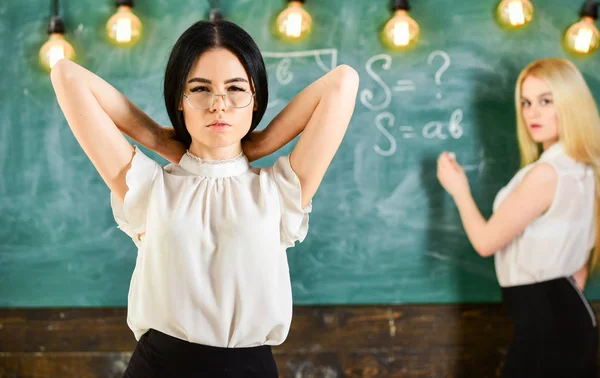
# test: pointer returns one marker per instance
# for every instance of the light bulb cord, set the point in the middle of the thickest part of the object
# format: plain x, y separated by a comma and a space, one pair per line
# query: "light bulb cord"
127, 3
56, 24
590, 9
54, 8
400, 5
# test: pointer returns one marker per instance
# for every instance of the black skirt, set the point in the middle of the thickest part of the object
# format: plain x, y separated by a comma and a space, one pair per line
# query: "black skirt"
555, 331
158, 355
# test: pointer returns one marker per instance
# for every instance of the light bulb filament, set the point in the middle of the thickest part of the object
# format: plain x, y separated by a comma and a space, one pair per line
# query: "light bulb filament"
516, 13
55, 53
293, 25
123, 30
401, 34
583, 40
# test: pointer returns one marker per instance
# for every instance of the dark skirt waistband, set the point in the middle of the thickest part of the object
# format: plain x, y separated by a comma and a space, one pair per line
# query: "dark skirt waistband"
547, 303
181, 348
158, 355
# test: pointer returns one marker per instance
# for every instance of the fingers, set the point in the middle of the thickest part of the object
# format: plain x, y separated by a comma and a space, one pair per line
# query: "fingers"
447, 160
457, 167
452, 161
442, 158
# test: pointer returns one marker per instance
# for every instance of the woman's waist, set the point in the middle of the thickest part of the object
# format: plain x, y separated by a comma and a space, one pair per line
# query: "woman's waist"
174, 348
554, 302
217, 315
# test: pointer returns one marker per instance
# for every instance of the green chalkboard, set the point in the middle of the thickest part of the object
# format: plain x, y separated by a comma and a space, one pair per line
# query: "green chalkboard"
382, 229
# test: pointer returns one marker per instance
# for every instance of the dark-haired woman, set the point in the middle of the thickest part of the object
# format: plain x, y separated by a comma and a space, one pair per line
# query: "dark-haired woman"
211, 290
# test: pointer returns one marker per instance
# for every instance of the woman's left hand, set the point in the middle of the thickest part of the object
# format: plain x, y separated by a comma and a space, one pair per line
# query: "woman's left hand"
451, 175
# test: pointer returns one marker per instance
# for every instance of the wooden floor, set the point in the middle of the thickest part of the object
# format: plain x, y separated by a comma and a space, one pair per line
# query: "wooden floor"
324, 342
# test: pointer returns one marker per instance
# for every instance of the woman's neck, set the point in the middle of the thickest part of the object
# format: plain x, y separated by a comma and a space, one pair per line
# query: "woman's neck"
215, 153
548, 144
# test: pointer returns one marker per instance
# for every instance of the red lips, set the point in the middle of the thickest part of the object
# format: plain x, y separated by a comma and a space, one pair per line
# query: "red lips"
219, 124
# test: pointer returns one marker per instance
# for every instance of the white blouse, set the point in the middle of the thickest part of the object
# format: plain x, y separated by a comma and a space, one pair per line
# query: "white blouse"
211, 267
558, 243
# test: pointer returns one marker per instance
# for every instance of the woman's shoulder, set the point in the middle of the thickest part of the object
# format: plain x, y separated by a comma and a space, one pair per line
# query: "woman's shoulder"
175, 170
565, 165
541, 175
281, 167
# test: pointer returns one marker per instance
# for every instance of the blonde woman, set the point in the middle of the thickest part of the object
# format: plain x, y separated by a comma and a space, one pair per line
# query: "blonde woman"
545, 223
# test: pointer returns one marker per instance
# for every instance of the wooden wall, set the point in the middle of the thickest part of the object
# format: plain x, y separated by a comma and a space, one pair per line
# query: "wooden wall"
324, 342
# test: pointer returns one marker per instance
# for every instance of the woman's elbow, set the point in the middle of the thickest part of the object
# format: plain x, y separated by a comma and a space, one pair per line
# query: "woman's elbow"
61, 72
346, 79
483, 249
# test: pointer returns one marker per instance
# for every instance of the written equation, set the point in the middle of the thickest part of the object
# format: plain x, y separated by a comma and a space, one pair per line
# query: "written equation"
385, 121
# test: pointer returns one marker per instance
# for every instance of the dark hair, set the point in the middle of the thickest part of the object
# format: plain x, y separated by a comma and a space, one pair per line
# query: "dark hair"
201, 37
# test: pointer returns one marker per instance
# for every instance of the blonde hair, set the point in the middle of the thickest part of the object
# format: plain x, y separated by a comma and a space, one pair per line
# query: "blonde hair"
579, 122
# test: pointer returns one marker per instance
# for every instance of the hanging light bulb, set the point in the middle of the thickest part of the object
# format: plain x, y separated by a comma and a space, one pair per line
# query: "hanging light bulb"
124, 27
515, 13
294, 23
401, 31
583, 37
56, 48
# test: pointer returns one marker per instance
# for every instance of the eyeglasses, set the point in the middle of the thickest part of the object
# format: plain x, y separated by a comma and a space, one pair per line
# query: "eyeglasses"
233, 99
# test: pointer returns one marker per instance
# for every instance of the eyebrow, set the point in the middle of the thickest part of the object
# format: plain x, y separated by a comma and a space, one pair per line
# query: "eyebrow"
542, 95
207, 81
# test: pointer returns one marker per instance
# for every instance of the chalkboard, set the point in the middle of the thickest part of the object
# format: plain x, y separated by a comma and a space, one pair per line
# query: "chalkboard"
382, 229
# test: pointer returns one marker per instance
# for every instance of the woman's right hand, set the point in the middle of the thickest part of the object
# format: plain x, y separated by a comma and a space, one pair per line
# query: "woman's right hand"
451, 175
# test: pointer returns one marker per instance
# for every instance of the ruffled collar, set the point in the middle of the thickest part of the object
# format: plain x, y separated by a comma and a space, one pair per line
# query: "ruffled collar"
214, 168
